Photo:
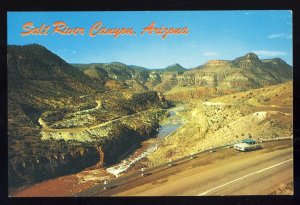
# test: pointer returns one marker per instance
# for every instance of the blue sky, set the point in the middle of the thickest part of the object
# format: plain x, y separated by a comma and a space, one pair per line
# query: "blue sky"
212, 35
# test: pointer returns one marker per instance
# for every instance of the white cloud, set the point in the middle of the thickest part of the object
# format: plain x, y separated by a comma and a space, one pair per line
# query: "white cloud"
269, 53
210, 53
280, 35
277, 35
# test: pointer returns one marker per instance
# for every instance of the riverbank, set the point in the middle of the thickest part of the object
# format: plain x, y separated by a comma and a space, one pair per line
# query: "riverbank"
229, 119
168, 126
74, 183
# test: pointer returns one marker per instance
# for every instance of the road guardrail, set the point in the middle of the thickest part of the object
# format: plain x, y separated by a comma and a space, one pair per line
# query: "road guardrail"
102, 187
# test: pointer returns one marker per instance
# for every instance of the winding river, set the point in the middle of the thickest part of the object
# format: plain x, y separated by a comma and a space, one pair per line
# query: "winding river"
169, 126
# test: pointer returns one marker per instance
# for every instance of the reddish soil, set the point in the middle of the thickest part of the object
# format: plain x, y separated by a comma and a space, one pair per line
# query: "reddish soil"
74, 183
65, 185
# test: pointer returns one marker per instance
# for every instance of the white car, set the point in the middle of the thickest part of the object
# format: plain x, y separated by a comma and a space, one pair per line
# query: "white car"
247, 145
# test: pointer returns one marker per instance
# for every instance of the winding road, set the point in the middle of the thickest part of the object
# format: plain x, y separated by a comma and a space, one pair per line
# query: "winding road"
46, 128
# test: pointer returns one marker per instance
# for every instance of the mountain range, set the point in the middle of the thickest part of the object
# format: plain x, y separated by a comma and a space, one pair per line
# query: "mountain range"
38, 68
243, 73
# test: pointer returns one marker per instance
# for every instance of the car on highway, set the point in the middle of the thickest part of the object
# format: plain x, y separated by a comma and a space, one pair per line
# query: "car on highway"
247, 145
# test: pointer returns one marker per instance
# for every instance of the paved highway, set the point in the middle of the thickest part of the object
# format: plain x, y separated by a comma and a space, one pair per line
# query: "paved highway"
225, 172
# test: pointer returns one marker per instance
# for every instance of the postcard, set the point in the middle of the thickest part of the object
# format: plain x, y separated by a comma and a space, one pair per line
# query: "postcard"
150, 103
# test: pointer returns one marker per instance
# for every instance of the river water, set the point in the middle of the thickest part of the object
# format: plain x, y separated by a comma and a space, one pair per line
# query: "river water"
170, 125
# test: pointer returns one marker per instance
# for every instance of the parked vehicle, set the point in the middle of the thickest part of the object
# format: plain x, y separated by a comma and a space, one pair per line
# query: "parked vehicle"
247, 145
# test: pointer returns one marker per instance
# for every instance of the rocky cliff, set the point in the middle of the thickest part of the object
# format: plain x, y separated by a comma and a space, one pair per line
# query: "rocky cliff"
243, 73
59, 115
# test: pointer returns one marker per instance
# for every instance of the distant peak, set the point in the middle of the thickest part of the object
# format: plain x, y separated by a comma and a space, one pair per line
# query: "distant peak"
250, 60
33, 45
117, 63
250, 56
175, 67
279, 60
175, 64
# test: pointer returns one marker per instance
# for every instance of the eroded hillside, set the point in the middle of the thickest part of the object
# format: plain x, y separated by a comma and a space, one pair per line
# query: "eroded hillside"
259, 114
212, 79
59, 119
